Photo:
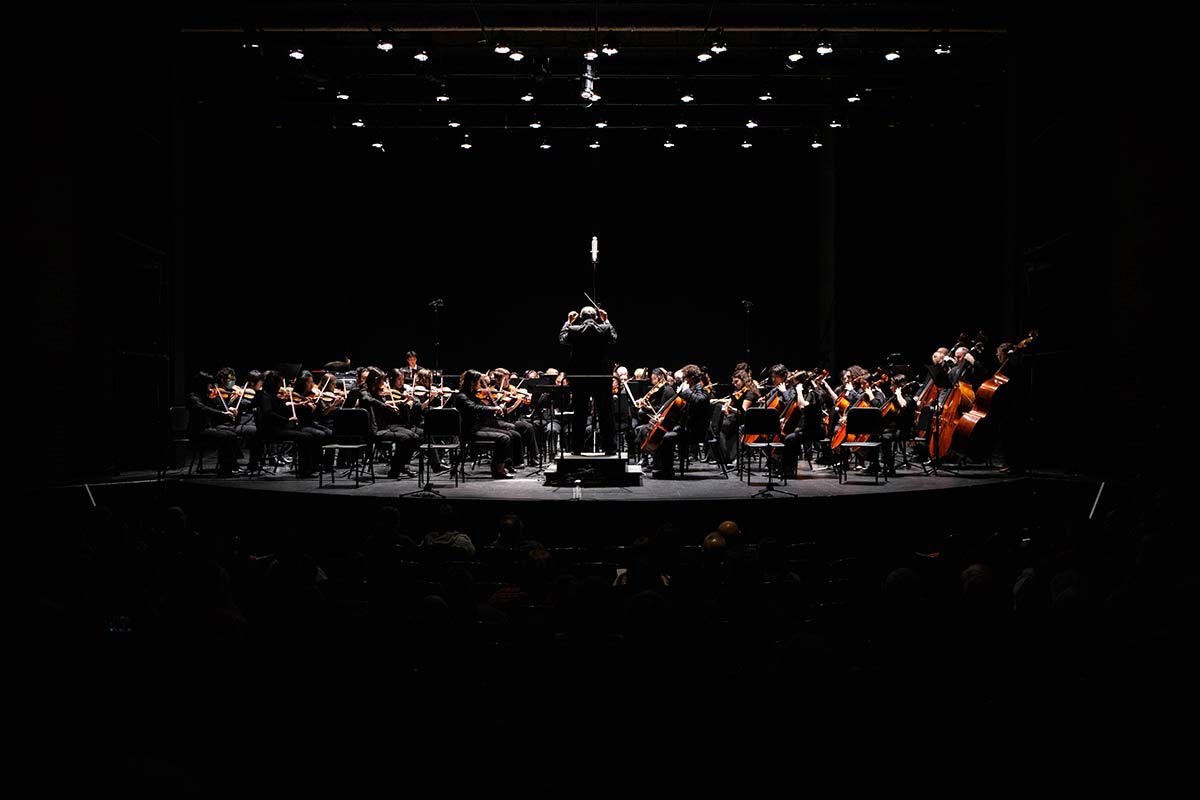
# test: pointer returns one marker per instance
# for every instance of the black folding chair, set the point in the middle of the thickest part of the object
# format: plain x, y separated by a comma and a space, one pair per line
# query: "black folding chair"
443, 431
863, 422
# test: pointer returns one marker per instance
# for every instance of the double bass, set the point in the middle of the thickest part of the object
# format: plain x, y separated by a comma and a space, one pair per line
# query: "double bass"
959, 401
973, 434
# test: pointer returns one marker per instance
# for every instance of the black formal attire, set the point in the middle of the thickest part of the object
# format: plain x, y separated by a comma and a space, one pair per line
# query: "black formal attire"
589, 342
659, 400
692, 428
206, 425
479, 424
390, 423
275, 423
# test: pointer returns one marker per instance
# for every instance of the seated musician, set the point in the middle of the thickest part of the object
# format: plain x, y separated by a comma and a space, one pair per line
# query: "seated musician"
730, 416
239, 400
692, 427
390, 421
512, 418
660, 393
279, 418
206, 418
479, 421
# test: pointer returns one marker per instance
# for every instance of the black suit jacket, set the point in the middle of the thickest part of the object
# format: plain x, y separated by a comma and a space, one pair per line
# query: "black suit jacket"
589, 347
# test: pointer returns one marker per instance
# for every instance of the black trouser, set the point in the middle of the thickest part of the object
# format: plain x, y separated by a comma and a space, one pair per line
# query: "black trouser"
797, 445
308, 445
599, 391
226, 443
725, 430
525, 446
248, 432
404, 444
545, 430
664, 456
502, 449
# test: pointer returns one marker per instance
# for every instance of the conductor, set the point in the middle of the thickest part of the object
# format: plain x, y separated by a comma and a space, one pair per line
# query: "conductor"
588, 333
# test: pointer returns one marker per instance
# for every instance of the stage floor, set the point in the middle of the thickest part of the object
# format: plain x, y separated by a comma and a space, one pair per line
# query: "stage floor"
701, 482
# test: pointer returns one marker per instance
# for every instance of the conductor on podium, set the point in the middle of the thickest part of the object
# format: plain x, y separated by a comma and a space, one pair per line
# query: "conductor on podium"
588, 333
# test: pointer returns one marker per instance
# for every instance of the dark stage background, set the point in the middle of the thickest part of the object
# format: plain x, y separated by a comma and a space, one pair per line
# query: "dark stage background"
343, 249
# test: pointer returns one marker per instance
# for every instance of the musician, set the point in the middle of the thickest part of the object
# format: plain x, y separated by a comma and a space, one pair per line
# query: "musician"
691, 428
479, 422
421, 396
354, 396
279, 418
589, 339
411, 367
206, 416
623, 407
780, 390
806, 424
547, 405
660, 393
390, 421
730, 416
241, 420
512, 419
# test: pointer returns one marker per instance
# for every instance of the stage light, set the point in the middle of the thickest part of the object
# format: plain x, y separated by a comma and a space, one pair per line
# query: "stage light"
687, 97
681, 125
594, 145
853, 99
719, 46
516, 55
668, 144
816, 144
833, 123
296, 53
378, 146
942, 50
892, 55
454, 124
358, 123
466, 142
796, 56
746, 145
766, 97
535, 124
824, 49
702, 57
609, 49
502, 48
751, 124
421, 55
590, 54
601, 124
527, 97
342, 96
442, 97
544, 145
384, 45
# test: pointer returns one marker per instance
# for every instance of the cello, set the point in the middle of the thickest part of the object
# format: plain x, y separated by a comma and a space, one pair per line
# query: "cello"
840, 435
967, 437
663, 422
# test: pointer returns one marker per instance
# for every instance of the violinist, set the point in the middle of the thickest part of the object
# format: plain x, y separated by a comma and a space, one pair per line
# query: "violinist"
314, 408
422, 395
240, 400
479, 413
546, 405
694, 425
623, 410
354, 395
729, 416
206, 418
511, 418
390, 418
279, 413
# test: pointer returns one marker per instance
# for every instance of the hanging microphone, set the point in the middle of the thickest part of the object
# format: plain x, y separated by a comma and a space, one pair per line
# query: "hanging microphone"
595, 248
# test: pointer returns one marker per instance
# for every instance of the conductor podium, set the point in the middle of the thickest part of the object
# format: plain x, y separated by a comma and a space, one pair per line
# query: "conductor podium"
593, 469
